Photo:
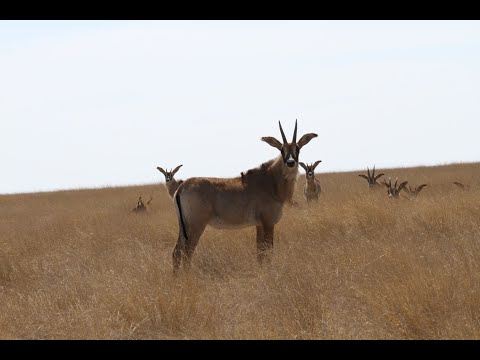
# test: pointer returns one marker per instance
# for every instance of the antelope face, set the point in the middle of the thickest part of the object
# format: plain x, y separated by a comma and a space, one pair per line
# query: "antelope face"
310, 169
290, 154
290, 150
169, 174
372, 178
394, 191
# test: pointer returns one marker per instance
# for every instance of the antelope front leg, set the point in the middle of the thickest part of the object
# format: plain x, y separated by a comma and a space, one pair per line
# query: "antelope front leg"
260, 244
264, 243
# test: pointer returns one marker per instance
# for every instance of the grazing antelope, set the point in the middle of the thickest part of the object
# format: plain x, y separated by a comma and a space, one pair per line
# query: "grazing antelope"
394, 191
255, 198
413, 192
141, 206
461, 186
372, 179
171, 184
312, 188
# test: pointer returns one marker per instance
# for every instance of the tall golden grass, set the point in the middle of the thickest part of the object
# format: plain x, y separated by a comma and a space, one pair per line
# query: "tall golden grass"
357, 265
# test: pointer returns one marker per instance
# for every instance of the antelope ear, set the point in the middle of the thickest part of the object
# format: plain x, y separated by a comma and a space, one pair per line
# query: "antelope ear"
316, 163
305, 139
377, 176
176, 169
402, 186
272, 142
161, 170
363, 176
303, 165
421, 187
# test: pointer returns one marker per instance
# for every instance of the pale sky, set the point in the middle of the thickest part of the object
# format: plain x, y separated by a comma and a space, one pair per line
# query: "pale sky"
103, 103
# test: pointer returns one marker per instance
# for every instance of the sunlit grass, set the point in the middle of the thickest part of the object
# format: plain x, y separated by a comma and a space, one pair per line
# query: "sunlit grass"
357, 265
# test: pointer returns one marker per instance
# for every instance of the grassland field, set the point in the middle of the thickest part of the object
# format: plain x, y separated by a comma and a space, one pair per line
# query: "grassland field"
356, 265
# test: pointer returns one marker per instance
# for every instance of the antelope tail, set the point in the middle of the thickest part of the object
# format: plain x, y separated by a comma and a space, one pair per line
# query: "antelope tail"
177, 199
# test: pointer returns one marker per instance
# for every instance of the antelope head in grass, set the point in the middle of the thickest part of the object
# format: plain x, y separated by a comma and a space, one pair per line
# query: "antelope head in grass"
413, 192
141, 206
170, 182
372, 179
394, 191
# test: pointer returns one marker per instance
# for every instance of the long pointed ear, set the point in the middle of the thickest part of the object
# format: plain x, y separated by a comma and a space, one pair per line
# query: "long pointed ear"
272, 142
402, 186
161, 170
421, 187
363, 176
305, 139
176, 169
303, 165
378, 175
315, 164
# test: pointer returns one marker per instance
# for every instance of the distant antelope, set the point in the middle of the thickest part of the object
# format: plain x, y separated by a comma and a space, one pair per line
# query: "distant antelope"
394, 191
461, 186
141, 206
372, 179
171, 184
312, 188
414, 191
255, 198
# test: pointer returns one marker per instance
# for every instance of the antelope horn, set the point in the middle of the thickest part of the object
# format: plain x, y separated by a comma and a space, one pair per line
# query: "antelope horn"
373, 173
294, 140
368, 171
396, 180
283, 134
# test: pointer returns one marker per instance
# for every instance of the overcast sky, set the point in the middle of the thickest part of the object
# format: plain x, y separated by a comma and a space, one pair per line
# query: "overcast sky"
100, 103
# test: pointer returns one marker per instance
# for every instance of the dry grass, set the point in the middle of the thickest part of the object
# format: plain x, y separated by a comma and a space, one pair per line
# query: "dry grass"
357, 265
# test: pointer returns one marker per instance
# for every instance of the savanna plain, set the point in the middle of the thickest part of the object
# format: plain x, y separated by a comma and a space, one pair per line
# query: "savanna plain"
356, 265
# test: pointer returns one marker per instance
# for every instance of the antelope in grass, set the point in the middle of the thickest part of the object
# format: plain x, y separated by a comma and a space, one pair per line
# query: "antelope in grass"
171, 184
141, 206
372, 179
461, 186
413, 192
255, 198
394, 191
312, 188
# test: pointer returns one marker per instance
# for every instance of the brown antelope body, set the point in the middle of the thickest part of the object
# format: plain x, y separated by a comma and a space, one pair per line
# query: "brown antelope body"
170, 182
312, 188
372, 179
255, 198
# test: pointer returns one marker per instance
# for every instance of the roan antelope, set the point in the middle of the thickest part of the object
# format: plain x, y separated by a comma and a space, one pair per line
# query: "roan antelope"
171, 184
413, 192
394, 191
141, 206
372, 179
312, 188
255, 198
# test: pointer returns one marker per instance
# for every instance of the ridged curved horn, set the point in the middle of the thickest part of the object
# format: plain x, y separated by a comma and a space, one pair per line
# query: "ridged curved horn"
294, 140
283, 134
368, 172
